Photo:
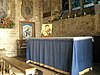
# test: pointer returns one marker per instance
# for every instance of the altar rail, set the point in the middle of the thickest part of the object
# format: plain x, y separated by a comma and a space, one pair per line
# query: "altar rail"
25, 68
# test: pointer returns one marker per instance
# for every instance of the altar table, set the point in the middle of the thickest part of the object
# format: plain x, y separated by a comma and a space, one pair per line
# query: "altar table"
69, 54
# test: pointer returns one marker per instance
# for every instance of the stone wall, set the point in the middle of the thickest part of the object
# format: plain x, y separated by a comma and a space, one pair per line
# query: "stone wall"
8, 41
79, 26
8, 37
87, 25
36, 15
97, 23
55, 8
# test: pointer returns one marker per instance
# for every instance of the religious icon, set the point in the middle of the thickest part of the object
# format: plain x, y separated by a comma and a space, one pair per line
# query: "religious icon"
46, 30
27, 29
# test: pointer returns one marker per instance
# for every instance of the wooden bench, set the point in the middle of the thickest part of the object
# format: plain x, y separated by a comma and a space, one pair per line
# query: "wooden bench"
25, 68
21, 47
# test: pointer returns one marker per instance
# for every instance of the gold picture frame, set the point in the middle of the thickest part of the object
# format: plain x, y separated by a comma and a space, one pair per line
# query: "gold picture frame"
46, 30
26, 30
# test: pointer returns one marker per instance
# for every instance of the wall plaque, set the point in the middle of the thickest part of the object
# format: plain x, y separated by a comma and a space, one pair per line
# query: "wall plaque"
27, 9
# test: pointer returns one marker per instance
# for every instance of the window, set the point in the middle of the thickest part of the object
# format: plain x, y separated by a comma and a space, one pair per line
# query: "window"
76, 3
65, 5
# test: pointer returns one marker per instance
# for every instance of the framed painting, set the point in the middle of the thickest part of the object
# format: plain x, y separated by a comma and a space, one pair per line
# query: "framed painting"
26, 30
46, 30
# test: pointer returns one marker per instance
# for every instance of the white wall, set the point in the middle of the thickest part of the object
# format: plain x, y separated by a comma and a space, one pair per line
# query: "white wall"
8, 39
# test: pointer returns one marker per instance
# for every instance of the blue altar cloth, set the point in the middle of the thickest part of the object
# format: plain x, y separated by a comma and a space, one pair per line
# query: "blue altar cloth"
67, 54
82, 55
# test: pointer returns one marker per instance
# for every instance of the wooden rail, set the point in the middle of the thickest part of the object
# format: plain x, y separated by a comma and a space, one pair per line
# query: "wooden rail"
25, 68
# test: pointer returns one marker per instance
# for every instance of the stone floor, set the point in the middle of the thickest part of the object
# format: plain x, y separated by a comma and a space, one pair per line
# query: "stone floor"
96, 70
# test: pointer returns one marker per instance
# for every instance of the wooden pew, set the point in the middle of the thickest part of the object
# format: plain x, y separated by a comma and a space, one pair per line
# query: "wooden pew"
22, 66
21, 47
